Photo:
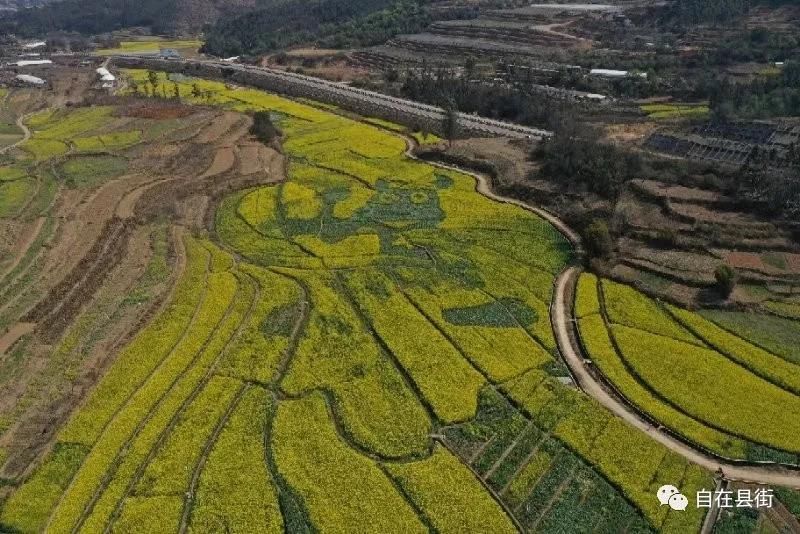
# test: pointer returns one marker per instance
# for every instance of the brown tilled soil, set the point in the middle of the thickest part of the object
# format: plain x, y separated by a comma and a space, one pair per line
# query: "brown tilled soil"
157, 110
100, 251
51, 404
216, 129
224, 159
26, 234
13, 335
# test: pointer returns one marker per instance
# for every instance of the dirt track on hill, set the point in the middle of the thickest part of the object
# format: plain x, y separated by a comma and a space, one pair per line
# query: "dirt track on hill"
26, 134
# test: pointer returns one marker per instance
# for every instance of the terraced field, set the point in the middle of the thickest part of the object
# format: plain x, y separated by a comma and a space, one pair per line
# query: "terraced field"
363, 347
677, 366
186, 47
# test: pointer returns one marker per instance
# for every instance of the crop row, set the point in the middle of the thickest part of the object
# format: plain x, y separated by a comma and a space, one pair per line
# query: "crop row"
786, 309
624, 354
445, 379
500, 353
626, 457
134, 364
142, 356
338, 354
778, 335
450, 495
139, 422
14, 194
595, 338
697, 380
671, 361
760, 362
525, 466
169, 471
343, 491
626, 306
89, 171
235, 490
156, 429
256, 354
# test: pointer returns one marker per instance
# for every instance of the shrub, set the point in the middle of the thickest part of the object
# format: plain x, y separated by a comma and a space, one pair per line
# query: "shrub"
263, 128
597, 239
726, 279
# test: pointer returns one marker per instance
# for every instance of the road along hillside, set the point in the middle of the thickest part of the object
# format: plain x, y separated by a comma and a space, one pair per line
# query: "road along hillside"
563, 321
368, 103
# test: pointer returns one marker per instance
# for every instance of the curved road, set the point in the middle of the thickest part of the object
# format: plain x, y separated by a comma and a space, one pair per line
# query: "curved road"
562, 320
484, 187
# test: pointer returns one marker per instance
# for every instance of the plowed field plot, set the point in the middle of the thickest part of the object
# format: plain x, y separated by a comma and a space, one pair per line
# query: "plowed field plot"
364, 347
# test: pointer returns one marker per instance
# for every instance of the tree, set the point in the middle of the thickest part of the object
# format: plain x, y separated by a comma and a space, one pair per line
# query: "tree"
451, 127
597, 239
135, 88
263, 128
152, 77
726, 279
176, 91
196, 92
469, 67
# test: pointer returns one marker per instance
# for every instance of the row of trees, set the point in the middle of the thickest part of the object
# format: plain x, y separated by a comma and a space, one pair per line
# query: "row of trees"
444, 88
715, 11
762, 97
576, 159
700, 11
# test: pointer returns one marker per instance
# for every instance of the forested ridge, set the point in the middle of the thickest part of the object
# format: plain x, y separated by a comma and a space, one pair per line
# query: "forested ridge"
334, 23
91, 17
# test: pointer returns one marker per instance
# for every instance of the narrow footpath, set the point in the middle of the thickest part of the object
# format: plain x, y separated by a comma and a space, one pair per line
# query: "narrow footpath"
25, 131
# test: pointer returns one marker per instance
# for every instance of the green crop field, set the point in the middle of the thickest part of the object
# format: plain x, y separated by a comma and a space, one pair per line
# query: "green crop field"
778, 335
676, 111
152, 46
365, 347
673, 365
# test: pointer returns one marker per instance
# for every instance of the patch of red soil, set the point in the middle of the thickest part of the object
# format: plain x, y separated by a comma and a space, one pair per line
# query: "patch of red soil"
157, 110
745, 260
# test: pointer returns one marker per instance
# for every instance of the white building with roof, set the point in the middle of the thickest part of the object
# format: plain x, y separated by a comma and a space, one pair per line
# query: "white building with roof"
611, 73
108, 80
31, 63
27, 79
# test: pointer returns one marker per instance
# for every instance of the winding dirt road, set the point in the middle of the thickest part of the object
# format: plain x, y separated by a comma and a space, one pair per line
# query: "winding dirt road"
484, 187
563, 321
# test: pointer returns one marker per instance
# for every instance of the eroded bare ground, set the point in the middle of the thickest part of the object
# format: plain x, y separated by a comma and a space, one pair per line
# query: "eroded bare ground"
95, 283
